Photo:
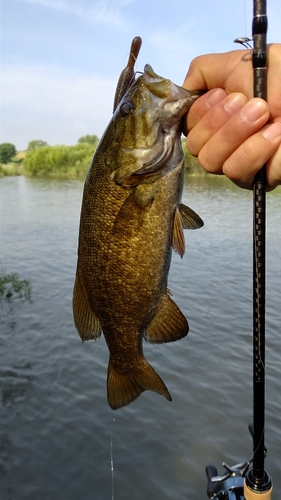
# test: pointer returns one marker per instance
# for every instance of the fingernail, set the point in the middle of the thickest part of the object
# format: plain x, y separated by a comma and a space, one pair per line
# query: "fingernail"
272, 132
214, 97
234, 103
252, 111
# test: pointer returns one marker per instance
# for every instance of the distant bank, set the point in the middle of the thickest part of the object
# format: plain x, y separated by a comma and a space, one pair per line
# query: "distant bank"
40, 159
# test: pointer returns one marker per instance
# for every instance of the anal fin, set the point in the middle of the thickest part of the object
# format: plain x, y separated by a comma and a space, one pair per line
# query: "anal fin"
168, 325
86, 322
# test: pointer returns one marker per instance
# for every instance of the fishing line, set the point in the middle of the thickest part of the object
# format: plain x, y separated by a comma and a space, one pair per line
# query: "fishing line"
245, 17
111, 459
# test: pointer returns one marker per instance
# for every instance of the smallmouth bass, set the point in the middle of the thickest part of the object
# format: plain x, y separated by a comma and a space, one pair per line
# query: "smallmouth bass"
131, 218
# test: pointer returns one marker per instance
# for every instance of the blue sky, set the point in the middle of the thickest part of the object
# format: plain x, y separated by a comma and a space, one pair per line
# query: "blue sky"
61, 59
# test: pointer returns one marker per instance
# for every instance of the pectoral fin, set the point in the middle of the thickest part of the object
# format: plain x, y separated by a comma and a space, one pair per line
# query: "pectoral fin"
86, 322
178, 242
190, 219
133, 211
184, 218
168, 325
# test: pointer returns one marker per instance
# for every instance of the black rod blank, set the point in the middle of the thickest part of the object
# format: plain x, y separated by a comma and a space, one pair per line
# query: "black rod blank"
258, 479
259, 60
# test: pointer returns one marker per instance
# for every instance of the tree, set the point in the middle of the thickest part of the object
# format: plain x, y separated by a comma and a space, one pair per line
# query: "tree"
90, 139
59, 160
7, 151
36, 144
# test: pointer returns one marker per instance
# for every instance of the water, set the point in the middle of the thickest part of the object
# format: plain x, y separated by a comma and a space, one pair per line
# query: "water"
59, 439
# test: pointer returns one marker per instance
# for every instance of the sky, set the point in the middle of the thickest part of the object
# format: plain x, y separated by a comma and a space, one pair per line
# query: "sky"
61, 59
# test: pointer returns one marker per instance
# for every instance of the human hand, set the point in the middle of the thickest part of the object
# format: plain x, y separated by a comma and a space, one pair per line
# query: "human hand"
231, 132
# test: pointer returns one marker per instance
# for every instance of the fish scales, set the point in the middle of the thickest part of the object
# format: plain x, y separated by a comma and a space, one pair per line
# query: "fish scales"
131, 217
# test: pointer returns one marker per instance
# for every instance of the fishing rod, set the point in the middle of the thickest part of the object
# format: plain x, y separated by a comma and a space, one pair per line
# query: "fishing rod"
249, 480
257, 481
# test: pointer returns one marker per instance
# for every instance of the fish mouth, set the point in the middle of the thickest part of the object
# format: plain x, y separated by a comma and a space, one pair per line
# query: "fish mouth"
158, 164
177, 98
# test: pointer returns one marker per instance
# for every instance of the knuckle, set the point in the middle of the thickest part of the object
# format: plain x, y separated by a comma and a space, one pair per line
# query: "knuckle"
209, 161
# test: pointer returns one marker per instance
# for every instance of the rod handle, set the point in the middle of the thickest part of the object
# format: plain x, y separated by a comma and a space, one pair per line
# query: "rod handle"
255, 491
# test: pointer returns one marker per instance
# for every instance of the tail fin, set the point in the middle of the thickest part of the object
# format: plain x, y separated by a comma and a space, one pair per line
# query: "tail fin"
122, 389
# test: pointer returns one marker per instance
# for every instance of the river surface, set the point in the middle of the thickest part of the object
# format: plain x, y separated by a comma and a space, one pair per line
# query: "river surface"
59, 440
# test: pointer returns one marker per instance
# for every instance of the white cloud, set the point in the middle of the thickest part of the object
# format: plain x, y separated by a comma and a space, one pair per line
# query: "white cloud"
53, 104
106, 12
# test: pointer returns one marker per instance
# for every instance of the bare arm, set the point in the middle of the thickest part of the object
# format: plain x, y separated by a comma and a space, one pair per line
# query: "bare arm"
231, 132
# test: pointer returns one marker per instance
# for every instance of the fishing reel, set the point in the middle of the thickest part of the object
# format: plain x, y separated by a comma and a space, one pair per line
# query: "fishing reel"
230, 485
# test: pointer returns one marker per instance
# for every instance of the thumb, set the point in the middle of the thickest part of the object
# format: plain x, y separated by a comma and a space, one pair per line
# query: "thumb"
225, 70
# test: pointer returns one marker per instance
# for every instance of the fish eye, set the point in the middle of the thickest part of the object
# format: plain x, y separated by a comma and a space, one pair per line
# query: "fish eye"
126, 108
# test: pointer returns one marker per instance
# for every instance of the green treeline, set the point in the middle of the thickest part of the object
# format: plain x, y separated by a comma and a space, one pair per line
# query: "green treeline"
47, 160
40, 159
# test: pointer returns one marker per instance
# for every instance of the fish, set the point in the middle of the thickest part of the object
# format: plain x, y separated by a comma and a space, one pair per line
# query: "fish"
131, 219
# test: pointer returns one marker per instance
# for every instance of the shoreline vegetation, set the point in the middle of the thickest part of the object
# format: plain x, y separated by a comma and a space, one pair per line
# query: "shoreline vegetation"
43, 160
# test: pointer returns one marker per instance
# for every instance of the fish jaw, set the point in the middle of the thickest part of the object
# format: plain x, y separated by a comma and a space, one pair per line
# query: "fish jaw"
175, 100
145, 130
